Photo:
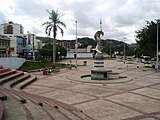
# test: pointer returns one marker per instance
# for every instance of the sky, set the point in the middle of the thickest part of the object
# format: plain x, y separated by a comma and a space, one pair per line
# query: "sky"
120, 18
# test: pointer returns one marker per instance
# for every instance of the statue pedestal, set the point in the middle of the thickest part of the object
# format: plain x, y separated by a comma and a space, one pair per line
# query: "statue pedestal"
99, 73
98, 61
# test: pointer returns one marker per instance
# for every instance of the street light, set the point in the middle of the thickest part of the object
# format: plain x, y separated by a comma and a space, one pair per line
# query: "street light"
124, 47
76, 45
157, 45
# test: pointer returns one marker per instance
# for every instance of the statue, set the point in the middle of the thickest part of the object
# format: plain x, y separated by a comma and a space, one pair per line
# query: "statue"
97, 37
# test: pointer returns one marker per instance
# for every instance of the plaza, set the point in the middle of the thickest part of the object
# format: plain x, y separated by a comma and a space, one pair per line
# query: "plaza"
135, 98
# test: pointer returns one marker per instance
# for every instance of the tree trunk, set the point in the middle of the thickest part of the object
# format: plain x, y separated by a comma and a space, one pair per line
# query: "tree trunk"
54, 52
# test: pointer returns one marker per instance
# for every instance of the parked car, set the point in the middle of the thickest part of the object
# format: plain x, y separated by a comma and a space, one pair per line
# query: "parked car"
145, 59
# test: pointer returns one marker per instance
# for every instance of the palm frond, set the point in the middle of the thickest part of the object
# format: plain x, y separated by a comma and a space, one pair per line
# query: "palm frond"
54, 23
46, 23
46, 29
61, 23
49, 31
62, 32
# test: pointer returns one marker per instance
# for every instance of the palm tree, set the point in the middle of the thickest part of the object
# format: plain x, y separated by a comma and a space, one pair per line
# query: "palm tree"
52, 26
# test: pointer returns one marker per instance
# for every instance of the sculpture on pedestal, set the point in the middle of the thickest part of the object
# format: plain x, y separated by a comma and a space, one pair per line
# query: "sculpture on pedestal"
97, 37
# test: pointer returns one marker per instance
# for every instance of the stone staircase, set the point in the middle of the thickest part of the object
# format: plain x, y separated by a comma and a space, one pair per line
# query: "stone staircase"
18, 105
11, 77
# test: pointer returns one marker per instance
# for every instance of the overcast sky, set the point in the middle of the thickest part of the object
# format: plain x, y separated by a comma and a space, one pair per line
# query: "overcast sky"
120, 18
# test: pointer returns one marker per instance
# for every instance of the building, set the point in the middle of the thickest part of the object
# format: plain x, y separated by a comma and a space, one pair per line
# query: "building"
24, 44
4, 44
64, 43
11, 28
20, 44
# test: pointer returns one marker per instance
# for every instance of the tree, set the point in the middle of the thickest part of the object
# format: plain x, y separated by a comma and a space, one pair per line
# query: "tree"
53, 25
46, 52
146, 39
85, 42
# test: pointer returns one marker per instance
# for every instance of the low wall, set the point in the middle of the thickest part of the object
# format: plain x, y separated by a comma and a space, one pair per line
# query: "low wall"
12, 62
80, 55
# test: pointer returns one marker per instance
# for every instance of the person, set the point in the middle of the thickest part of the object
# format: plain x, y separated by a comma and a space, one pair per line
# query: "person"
43, 71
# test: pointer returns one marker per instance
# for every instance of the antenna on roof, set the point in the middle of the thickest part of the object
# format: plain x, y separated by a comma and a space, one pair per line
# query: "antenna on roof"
100, 24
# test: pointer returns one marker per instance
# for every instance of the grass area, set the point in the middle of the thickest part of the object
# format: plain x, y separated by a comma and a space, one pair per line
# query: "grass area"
130, 62
33, 65
110, 58
147, 66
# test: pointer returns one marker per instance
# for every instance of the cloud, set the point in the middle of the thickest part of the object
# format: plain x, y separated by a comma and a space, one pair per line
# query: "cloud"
31, 8
120, 17
3, 17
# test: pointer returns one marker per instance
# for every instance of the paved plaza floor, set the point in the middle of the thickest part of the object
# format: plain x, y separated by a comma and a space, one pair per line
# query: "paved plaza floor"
135, 98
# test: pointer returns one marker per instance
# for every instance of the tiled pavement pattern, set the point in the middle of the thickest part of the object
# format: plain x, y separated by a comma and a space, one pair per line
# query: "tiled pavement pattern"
16, 104
137, 98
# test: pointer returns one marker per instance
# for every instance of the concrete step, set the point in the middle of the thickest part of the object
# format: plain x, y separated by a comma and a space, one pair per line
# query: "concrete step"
10, 72
59, 110
52, 110
67, 111
10, 77
23, 77
37, 112
27, 82
2, 70
14, 110
19, 80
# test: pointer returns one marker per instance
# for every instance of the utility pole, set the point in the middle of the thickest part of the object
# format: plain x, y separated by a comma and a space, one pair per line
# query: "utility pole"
101, 24
124, 48
76, 45
110, 50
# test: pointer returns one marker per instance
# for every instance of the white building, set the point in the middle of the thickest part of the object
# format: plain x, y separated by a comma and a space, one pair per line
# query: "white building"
11, 28
24, 43
21, 44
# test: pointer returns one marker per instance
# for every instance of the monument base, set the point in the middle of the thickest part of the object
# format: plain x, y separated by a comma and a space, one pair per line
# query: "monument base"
101, 74
99, 61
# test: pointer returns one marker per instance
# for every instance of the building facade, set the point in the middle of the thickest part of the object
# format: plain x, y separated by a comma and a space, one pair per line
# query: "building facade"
20, 44
24, 44
4, 44
11, 28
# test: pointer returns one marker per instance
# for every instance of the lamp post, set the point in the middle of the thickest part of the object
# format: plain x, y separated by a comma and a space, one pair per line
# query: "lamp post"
76, 45
157, 45
124, 48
